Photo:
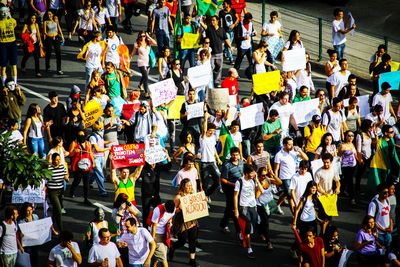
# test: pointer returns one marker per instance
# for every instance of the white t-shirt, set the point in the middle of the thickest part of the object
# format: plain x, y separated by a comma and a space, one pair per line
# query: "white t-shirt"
248, 194
9, 245
138, 245
284, 114
338, 38
101, 15
308, 214
112, 6
162, 222
339, 81
382, 217
15, 136
192, 174
297, 45
299, 183
63, 256
272, 28
93, 55
207, 148
335, 124
325, 177
384, 101
99, 252
112, 52
237, 138
287, 162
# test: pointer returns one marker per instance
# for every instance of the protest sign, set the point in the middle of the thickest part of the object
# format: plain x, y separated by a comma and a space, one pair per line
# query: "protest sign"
154, 152
329, 203
304, 110
174, 108
195, 110
231, 116
395, 66
218, 98
194, 206
294, 59
275, 45
363, 104
93, 111
266, 82
190, 40
128, 110
393, 78
118, 103
251, 116
127, 155
352, 21
199, 75
30, 194
233, 101
162, 92
36, 233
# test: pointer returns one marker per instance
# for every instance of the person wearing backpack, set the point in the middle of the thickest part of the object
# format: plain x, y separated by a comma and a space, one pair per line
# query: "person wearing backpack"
379, 209
159, 222
9, 240
335, 121
144, 123
187, 26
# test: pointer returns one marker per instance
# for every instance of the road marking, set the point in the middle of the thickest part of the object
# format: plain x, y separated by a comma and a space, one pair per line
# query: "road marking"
150, 78
34, 93
103, 207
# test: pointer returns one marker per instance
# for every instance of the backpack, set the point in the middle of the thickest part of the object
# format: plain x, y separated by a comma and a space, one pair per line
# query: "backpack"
3, 226
329, 116
346, 111
149, 223
375, 201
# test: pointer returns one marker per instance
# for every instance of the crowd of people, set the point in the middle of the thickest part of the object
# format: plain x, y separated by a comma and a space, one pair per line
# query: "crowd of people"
280, 162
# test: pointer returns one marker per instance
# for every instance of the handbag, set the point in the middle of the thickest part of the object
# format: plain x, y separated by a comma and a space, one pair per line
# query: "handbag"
152, 58
23, 259
84, 163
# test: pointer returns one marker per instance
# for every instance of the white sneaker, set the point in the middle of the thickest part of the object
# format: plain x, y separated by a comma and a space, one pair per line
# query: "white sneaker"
279, 210
209, 200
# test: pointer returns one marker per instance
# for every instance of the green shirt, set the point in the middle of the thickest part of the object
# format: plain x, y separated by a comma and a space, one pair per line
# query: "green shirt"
114, 88
268, 128
298, 98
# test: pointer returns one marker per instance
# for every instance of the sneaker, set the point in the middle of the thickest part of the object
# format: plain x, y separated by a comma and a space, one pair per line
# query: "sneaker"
251, 255
279, 210
221, 191
63, 211
293, 254
269, 246
225, 230
60, 72
353, 202
39, 75
209, 200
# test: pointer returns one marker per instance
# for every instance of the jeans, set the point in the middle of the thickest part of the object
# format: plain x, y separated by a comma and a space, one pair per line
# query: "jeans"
340, 50
227, 51
98, 175
263, 226
216, 64
385, 239
49, 44
186, 54
210, 173
162, 40
144, 80
37, 147
241, 53
246, 148
251, 214
56, 198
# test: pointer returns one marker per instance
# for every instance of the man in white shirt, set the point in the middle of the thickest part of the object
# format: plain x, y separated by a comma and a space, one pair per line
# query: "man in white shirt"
105, 253
272, 28
298, 184
384, 98
339, 79
111, 52
9, 237
286, 114
326, 175
335, 121
67, 253
339, 32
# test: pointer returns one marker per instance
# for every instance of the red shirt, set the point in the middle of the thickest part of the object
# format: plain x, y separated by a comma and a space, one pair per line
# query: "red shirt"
238, 6
233, 87
313, 255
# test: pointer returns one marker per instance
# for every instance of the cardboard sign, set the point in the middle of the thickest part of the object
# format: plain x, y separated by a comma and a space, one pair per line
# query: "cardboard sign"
304, 110
93, 111
36, 233
31, 195
174, 108
251, 116
393, 78
294, 59
200, 75
128, 110
190, 40
329, 203
162, 92
127, 155
194, 206
154, 152
266, 82
195, 110
218, 98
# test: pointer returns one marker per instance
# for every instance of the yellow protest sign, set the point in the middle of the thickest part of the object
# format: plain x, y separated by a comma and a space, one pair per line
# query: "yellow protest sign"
194, 206
174, 108
93, 111
190, 40
394, 65
329, 203
266, 82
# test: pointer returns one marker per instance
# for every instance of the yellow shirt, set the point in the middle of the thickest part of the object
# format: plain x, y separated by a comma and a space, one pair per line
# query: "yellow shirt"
315, 141
7, 34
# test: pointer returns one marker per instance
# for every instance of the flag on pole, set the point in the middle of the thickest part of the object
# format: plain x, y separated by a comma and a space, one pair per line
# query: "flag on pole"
178, 25
208, 7
226, 142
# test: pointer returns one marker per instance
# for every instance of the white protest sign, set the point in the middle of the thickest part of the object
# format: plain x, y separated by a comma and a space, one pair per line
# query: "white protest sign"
195, 110
162, 92
294, 59
36, 232
352, 21
363, 103
218, 98
194, 206
154, 152
199, 75
233, 101
231, 116
318, 163
251, 116
304, 110
31, 195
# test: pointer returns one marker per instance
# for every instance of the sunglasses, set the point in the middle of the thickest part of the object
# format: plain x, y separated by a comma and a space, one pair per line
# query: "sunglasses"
391, 132
321, 95
207, 42
142, 35
350, 135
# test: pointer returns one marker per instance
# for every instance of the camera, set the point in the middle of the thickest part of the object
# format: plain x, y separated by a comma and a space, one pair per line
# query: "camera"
128, 203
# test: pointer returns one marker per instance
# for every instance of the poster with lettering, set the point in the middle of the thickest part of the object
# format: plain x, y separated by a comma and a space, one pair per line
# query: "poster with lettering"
154, 152
393, 78
127, 155
294, 59
199, 75
195, 110
194, 206
162, 92
174, 108
275, 45
218, 98
36, 233
251, 116
93, 111
30, 194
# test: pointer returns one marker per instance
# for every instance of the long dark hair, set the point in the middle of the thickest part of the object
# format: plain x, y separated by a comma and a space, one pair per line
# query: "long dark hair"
138, 38
121, 198
291, 36
323, 145
32, 110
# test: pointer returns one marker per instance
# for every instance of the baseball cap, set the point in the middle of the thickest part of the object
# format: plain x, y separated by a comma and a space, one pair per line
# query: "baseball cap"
385, 85
316, 118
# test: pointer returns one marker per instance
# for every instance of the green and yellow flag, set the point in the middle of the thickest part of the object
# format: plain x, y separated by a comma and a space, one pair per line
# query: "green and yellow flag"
208, 7
226, 142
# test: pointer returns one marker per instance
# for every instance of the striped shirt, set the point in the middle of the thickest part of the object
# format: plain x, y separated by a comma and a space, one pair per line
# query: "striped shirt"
57, 178
232, 172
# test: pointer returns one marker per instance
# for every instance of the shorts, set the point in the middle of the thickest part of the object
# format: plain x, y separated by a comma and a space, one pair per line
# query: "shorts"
8, 53
160, 253
286, 186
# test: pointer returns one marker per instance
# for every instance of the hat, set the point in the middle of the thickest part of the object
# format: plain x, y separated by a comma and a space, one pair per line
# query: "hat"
316, 118
385, 86
233, 72
144, 104
75, 89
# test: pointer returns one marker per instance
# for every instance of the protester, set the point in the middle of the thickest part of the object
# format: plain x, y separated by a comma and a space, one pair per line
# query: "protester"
104, 252
10, 237
66, 253
338, 32
33, 131
32, 40
54, 114
229, 20
161, 24
53, 38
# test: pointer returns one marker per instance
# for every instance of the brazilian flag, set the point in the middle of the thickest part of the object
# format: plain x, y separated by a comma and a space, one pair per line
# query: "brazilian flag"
226, 142
208, 7
178, 25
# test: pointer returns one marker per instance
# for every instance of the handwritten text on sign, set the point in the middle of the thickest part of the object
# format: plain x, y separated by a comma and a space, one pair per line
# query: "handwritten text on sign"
154, 152
195, 110
162, 92
127, 155
93, 111
31, 195
36, 233
194, 206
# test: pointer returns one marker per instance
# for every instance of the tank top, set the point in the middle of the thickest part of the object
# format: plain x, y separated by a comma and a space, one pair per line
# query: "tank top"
33, 30
348, 159
51, 28
335, 69
39, 4
128, 188
351, 120
308, 214
35, 130
266, 196
164, 67
144, 54
259, 67
95, 231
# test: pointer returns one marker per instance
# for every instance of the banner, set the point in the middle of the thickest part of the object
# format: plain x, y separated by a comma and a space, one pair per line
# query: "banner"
195, 110
200, 75
304, 110
329, 203
251, 116
275, 45
36, 233
154, 152
194, 206
174, 108
31, 195
363, 104
263, 83
127, 155
393, 78
93, 111
190, 40
218, 98
128, 110
162, 92
294, 59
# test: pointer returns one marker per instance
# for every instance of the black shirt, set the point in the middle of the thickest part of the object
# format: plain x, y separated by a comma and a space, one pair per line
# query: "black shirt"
379, 69
191, 122
57, 115
227, 18
217, 39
